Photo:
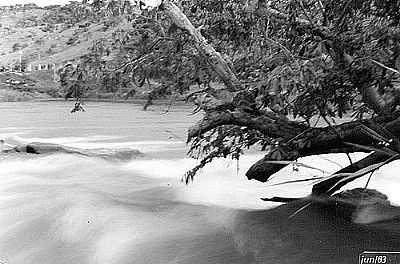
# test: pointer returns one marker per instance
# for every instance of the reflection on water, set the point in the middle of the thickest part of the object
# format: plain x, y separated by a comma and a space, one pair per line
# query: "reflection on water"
64, 208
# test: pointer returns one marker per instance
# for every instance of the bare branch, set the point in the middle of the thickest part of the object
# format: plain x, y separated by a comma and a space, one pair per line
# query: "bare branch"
385, 67
214, 58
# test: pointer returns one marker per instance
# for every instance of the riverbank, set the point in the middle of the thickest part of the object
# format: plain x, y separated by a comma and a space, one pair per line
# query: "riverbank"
17, 87
11, 95
138, 101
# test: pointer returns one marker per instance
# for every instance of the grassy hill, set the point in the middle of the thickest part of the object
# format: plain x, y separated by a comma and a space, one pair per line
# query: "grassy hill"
38, 36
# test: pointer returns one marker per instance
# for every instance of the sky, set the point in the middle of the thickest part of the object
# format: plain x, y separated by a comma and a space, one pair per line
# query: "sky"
38, 2
49, 2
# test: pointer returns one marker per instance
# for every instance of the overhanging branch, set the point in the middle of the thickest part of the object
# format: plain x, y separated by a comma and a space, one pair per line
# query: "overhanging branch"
322, 141
269, 125
325, 187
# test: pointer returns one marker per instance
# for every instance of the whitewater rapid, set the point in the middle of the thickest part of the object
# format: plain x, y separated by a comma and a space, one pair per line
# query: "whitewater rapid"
68, 208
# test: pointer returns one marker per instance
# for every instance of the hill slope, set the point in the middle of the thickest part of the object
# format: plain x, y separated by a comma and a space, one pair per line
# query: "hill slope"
45, 39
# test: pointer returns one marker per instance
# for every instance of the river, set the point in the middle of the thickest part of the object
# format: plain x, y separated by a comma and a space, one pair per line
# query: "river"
66, 208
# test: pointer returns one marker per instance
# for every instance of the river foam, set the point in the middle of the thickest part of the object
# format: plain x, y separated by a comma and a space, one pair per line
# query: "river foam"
67, 208
71, 209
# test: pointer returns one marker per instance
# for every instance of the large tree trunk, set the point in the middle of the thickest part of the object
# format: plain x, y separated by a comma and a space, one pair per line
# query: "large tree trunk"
214, 58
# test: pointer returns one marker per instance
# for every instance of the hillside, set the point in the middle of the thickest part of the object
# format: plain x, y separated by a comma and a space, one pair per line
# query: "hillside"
42, 40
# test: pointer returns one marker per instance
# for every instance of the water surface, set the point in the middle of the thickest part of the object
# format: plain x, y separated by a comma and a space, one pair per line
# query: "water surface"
63, 208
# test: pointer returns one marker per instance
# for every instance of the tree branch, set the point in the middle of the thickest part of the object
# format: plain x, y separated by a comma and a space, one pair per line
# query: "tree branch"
214, 58
271, 126
325, 187
322, 141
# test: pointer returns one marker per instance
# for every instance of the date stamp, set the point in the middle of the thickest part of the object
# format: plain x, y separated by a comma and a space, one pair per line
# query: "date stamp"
4, 260
379, 257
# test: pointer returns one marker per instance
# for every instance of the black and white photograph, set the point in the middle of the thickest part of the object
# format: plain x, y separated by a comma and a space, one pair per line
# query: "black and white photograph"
200, 132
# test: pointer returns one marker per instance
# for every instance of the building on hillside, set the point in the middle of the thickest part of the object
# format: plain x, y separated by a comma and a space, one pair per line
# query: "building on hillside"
5, 8
31, 6
59, 26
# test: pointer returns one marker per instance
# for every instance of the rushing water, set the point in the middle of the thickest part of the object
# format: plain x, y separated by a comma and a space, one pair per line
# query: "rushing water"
66, 208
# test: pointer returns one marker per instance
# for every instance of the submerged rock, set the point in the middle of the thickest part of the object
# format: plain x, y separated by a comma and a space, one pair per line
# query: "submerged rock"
370, 206
361, 197
123, 154
50, 148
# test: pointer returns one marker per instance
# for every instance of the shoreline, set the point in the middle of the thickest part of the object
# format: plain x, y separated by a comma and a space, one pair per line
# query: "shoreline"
105, 100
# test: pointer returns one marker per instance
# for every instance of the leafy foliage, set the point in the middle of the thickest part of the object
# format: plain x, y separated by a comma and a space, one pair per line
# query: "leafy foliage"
306, 60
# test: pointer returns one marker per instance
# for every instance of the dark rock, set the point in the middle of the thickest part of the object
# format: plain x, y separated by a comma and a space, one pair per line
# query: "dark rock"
361, 197
50, 148
370, 206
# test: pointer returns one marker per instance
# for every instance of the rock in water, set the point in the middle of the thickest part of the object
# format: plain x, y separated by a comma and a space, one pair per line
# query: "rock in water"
43, 148
371, 206
124, 154
361, 197
5, 147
